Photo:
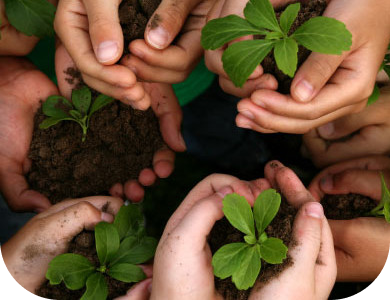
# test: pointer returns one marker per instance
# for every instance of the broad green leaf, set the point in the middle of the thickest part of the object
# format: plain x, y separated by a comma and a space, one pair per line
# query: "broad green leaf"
129, 220
100, 102
286, 56
218, 32
250, 239
324, 35
241, 59
273, 251
227, 259
374, 96
265, 209
133, 251
73, 269
32, 17
239, 213
96, 288
51, 122
288, 17
126, 273
107, 241
54, 107
273, 35
75, 114
386, 211
261, 14
245, 276
81, 99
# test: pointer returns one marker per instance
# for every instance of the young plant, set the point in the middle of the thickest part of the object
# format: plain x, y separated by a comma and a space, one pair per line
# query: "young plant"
120, 247
80, 110
242, 261
319, 34
383, 208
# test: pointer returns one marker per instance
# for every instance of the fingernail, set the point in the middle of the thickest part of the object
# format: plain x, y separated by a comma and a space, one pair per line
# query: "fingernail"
38, 210
137, 52
181, 141
304, 90
247, 113
315, 210
226, 190
326, 130
107, 217
158, 37
107, 51
326, 183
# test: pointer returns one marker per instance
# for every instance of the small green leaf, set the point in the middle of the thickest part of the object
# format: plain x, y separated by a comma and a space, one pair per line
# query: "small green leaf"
126, 273
286, 56
324, 35
218, 32
386, 211
227, 259
107, 241
129, 220
261, 14
81, 99
239, 213
265, 209
32, 17
288, 17
241, 59
250, 239
73, 269
273, 35
273, 251
52, 121
100, 102
96, 288
75, 114
374, 96
52, 107
132, 251
245, 276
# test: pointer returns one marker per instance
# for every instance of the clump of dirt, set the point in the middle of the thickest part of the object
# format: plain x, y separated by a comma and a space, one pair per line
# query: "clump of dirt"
120, 142
309, 9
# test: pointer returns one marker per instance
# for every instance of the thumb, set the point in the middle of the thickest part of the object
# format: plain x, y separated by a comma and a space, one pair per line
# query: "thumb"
167, 22
313, 75
105, 30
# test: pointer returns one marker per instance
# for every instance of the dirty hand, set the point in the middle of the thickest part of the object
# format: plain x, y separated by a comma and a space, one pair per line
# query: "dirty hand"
28, 253
182, 265
91, 33
326, 87
171, 48
359, 176
314, 257
356, 135
22, 87
12, 41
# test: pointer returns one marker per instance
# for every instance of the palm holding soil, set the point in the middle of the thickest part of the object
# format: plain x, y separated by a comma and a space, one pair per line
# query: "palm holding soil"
22, 87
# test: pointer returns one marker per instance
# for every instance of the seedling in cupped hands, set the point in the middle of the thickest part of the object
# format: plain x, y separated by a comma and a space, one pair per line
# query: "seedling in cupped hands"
383, 208
319, 34
242, 261
120, 247
80, 110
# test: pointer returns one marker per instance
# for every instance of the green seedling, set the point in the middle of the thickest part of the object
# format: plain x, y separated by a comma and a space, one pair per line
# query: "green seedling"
120, 247
32, 17
80, 110
383, 208
319, 34
242, 261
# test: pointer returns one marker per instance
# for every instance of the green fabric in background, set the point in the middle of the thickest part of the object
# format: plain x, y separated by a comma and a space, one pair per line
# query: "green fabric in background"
197, 82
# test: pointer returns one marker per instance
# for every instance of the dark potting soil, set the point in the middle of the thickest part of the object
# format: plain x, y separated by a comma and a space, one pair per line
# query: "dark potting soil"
338, 207
120, 142
309, 9
83, 244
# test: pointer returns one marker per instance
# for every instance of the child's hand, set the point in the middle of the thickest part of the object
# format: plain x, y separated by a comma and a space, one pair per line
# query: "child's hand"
28, 253
369, 130
355, 262
91, 33
171, 48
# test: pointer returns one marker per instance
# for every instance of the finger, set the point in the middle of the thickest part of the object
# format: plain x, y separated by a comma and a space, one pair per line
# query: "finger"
167, 109
105, 30
140, 291
134, 191
270, 171
116, 190
167, 21
164, 162
14, 43
147, 177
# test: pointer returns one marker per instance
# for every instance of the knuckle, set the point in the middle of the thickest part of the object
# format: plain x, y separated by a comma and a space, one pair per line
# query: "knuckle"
88, 209
322, 68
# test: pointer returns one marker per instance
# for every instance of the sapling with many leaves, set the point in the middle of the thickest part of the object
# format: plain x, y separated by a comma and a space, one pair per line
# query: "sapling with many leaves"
242, 261
80, 110
120, 247
383, 208
319, 34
